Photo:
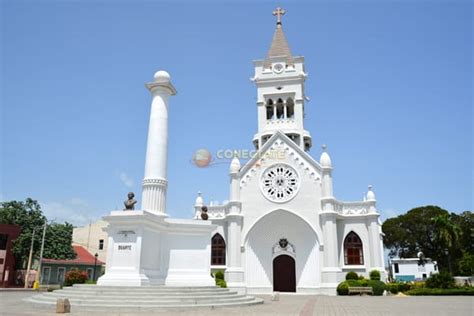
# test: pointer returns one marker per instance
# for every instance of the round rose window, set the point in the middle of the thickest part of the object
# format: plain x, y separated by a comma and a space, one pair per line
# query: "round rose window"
279, 183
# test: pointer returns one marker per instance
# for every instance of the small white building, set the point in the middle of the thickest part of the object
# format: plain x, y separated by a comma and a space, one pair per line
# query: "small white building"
410, 269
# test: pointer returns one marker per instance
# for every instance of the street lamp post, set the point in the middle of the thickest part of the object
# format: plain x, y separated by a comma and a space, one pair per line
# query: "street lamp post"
30, 257
95, 264
38, 274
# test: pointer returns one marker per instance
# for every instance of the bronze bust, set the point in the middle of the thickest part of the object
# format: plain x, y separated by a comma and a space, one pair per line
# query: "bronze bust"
204, 215
130, 203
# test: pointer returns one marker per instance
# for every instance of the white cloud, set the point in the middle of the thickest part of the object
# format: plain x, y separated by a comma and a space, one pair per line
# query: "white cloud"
126, 179
75, 211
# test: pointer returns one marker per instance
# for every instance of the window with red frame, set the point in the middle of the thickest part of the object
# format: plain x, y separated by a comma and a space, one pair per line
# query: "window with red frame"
218, 250
353, 253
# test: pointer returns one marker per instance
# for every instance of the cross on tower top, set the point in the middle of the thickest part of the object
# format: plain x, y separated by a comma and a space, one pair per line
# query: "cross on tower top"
279, 12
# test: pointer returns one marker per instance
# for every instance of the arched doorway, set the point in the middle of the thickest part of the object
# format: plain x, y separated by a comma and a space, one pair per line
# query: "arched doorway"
284, 275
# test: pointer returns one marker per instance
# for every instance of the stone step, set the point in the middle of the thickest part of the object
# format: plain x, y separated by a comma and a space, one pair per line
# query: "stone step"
50, 297
149, 297
140, 295
148, 308
145, 287
133, 290
119, 302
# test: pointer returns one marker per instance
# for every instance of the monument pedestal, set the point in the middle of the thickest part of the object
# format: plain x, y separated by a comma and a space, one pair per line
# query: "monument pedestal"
147, 248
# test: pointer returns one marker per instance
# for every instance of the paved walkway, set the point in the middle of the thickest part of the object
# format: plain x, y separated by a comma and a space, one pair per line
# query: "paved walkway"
299, 305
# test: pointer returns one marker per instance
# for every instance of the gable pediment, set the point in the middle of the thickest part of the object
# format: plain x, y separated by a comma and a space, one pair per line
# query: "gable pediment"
281, 147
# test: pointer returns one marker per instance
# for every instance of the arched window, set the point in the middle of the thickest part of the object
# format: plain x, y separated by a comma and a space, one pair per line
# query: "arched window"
353, 253
280, 111
269, 108
290, 108
217, 250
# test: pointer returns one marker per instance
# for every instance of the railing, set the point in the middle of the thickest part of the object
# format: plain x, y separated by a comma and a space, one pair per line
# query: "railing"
213, 211
352, 208
281, 121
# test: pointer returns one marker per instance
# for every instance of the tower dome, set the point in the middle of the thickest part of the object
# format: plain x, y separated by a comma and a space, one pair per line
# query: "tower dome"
325, 160
162, 76
370, 194
234, 165
199, 200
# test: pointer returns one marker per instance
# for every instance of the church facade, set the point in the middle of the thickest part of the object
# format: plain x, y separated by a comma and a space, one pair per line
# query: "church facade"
282, 228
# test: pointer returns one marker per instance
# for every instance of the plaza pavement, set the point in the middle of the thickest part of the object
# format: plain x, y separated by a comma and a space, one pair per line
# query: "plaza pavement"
304, 305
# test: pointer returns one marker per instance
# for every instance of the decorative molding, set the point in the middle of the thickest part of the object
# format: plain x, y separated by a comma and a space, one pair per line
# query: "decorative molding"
300, 160
352, 208
283, 246
160, 182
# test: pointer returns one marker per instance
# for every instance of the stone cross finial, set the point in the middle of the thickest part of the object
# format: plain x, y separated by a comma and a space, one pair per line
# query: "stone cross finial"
279, 12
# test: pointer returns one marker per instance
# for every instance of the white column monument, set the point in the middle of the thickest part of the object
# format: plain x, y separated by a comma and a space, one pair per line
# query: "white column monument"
155, 181
145, 247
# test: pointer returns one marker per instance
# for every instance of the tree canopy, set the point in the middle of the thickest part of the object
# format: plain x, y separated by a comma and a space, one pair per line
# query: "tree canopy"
440, 235
28, 215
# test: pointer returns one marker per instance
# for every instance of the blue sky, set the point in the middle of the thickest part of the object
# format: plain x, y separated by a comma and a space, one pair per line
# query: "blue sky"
390, 84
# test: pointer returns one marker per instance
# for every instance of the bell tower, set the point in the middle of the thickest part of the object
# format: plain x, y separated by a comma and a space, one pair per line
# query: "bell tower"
280, 81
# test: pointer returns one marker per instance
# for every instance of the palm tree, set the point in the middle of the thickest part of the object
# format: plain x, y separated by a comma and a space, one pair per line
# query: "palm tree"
448, 233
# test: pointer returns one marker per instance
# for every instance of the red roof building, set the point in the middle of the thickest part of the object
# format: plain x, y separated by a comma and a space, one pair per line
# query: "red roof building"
83, 257
53, 271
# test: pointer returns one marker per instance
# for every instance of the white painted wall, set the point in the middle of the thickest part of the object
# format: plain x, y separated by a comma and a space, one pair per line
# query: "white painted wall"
409, 267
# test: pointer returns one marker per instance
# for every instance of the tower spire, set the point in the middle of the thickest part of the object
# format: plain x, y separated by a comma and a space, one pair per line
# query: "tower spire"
279, 46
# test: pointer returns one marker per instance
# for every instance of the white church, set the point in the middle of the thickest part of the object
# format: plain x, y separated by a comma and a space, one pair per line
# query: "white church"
282, 228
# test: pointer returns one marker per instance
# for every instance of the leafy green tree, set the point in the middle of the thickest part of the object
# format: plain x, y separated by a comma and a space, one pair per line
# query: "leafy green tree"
432, 230
58, 241
448, 234
466, 264
465, 222
28, 216
407, 234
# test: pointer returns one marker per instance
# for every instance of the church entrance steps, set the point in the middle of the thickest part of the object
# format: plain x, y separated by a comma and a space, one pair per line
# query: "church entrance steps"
116, 298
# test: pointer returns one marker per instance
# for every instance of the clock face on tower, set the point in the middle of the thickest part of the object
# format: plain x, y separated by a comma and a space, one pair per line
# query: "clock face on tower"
278, 68
280, 183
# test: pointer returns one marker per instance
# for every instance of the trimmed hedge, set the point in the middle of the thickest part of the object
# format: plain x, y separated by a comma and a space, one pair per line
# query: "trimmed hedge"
352, 276
378, 287
375, 275
429, 291
219, 277
221, 283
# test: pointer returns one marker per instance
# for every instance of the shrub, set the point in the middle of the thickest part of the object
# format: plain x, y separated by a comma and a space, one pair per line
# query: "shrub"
403, 287
364, 282
75, 277
430, 291
219, 275
442, 280
352, 276
393, 288
375, 275
378, 287
343, 288
221, 283
418, 285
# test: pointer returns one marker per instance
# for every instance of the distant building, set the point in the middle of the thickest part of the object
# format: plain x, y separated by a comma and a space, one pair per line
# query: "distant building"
409, 269
54, 271
8, 233
93, 238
